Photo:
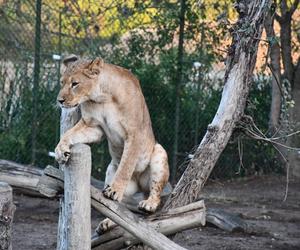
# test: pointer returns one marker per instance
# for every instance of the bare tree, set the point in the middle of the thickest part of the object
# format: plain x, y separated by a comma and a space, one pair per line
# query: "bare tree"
240, 63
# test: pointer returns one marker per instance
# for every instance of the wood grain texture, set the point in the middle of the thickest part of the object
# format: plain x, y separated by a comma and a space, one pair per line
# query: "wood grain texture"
7, 209
74, 229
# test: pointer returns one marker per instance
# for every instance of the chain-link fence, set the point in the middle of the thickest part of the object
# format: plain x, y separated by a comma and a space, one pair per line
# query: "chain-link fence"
168, 45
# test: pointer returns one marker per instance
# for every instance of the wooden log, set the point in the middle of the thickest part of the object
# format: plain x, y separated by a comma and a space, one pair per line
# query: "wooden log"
238, 76
74, 229
7, 209
122, 216
134, 225
20, 176
50, 184
77, 201
169, 223
34, 181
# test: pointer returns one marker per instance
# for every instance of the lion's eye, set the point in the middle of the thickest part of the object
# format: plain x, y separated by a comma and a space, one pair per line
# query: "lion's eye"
74, 84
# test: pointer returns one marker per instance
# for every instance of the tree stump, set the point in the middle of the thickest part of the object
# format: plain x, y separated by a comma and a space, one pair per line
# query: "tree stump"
7, 209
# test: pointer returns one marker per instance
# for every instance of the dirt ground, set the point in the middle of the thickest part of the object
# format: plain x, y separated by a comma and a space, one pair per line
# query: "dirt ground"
258, 200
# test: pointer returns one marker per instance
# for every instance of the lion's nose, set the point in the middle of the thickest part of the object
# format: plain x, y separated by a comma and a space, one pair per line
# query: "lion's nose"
61, 100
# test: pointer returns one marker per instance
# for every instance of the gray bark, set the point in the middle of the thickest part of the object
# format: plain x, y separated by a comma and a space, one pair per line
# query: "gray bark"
77, 201
7, 209
134, 225
74, 229
20, 176
239, 67
118, 213
274, 52
173, 221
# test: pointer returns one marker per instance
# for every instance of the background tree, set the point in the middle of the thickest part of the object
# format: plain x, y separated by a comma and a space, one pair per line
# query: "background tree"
284, 49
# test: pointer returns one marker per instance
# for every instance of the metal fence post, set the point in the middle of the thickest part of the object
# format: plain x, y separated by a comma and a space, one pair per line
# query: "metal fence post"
36, 76
178, 87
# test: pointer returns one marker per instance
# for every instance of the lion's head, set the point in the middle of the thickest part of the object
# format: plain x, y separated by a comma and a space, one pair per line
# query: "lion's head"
78, 80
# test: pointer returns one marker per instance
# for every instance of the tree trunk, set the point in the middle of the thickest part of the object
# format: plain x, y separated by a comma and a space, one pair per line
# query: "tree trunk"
276, 74
240, 63
294, 156
286, 47
7, 209
292, 74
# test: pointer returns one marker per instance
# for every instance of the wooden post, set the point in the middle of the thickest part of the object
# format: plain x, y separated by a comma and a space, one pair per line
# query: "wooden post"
7, 209
74, 229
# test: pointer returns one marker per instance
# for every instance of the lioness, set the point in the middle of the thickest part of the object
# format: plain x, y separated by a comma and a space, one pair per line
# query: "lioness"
113, 106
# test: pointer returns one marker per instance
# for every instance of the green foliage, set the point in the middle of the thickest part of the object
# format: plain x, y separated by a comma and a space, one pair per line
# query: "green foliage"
16, 132
143, 37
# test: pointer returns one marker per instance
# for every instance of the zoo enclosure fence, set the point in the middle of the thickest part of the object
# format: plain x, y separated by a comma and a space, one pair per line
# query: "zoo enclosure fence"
151, 38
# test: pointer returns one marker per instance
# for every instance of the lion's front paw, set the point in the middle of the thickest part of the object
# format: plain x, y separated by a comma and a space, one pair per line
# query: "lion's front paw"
62, 153
149, 205
112, 193
105, 225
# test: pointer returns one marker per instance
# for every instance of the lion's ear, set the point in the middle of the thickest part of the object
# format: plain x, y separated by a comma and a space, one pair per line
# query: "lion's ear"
69, 59
95, 66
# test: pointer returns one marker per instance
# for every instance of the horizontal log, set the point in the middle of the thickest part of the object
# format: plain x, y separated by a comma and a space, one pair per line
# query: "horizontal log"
31, 180
127, 220
119, 214
34, 181
20, 176
174, 221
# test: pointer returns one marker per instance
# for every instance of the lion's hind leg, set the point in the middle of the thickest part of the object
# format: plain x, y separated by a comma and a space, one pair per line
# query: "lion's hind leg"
159, 174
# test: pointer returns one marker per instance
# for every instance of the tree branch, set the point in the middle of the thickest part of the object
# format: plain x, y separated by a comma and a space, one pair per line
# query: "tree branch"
294, 7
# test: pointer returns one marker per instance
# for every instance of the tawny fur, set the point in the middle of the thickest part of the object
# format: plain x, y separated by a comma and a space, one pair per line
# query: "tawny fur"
113, 106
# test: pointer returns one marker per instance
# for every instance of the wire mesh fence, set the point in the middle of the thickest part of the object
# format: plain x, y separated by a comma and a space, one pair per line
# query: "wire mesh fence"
168, 45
